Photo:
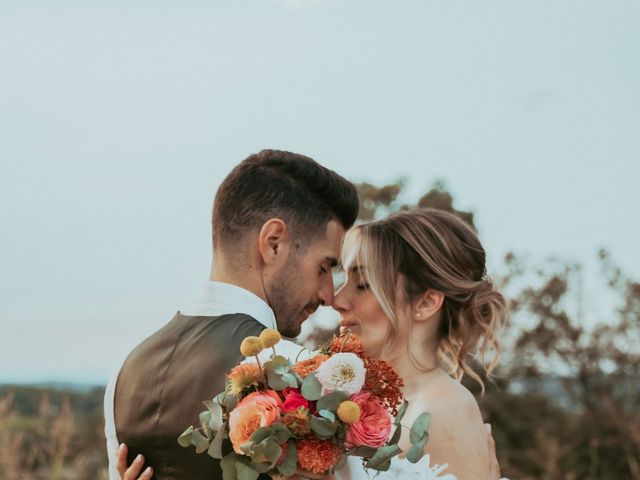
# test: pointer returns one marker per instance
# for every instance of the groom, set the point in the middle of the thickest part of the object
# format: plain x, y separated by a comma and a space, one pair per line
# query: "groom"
278, 222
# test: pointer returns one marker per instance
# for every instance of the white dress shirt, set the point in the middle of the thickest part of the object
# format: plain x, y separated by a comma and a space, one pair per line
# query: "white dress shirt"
216, 299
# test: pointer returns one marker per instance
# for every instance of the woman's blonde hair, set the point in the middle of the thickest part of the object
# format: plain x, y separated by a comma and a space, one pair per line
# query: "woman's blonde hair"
433, 249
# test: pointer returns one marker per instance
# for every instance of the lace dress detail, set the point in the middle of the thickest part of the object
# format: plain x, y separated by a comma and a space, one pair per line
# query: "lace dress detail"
400, 468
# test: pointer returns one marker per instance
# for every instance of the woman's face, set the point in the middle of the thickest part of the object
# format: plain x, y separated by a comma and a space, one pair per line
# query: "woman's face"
361, 313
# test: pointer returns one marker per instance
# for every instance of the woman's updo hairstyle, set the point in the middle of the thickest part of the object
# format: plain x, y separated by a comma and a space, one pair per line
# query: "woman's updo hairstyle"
434, 249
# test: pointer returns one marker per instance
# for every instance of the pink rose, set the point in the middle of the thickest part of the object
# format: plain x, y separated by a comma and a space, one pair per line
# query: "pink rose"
293, 400
373, 427
258, 409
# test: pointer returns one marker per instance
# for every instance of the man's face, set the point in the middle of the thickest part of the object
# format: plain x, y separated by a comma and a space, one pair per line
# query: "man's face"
305, 282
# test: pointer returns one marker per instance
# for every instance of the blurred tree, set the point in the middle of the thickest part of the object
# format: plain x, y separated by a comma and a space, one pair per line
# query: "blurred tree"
376, 202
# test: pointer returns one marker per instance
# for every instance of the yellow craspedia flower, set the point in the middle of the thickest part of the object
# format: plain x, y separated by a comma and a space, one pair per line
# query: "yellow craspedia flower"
251, 346
270, 337
349, 412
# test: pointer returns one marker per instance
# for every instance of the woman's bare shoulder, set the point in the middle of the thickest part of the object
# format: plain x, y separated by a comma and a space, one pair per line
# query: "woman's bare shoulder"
456, 434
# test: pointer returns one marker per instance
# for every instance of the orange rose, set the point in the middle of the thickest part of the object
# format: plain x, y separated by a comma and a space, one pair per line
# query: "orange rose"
258, 409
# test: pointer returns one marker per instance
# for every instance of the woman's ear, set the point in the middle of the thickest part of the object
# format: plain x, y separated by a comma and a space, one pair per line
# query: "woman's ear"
428, 305
273, 241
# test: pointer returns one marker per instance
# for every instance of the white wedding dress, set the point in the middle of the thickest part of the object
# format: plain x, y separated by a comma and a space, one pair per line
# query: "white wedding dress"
400, 468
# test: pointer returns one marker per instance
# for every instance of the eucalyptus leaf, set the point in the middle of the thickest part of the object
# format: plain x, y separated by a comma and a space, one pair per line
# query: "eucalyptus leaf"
382, 458
311, 387
322, 427
288, 467
278, 373
204, 418
228, 464
268, 452
280, 432
328, 414
420, 428
215, 410
260, 467
363, 451
226, 399
332, 401
215, 447
261, 434
199, 441
184, 440
401, 411
244, 472
416, 451
395, 438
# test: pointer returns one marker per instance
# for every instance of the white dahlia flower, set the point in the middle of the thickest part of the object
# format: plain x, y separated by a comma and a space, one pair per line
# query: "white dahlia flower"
342, 371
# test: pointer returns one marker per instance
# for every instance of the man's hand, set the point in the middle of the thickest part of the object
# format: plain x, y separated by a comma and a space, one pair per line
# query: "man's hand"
494, 466
133, 470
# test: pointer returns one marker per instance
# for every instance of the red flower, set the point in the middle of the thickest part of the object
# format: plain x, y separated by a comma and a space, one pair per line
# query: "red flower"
317, 456
293, 400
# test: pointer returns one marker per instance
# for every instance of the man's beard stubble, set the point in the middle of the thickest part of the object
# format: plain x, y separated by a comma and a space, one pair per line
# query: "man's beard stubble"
286, 305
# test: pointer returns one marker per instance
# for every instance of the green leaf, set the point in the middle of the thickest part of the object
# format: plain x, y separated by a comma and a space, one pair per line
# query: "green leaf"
382, 458
184, 440
215, 448
395, 438
278, 373
261, 434
328, 414
267, 452
416, 451
228, 464
260, 467
244, 472
227, 400
205, 417
420, 428
199, 441
280, 432
322, 427
332, 401
215, 410
288, 467
363, 451
401, 411
311, 387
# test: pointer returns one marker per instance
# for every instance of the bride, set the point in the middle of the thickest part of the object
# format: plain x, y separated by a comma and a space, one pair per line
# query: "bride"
417, 295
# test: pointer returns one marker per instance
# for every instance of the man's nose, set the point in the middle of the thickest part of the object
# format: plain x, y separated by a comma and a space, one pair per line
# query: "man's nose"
325, 294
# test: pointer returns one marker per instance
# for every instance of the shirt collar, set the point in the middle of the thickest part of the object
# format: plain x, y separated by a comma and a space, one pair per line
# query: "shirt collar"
219, 298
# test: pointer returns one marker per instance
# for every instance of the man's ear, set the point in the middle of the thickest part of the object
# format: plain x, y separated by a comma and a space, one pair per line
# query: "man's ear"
273, 240
428, 305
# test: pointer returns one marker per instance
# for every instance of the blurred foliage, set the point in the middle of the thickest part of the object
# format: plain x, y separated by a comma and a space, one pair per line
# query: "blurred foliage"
564, 405
51, 434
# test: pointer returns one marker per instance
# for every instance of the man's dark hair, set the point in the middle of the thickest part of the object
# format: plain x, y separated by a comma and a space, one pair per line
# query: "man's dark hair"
285, 185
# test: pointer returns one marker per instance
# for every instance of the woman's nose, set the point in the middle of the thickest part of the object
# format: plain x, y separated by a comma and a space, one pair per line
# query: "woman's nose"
340, 301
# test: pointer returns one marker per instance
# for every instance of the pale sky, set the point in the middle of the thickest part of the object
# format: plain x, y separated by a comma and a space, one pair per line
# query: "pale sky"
119, 119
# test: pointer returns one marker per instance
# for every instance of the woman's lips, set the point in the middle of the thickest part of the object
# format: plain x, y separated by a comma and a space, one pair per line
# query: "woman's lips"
347, 326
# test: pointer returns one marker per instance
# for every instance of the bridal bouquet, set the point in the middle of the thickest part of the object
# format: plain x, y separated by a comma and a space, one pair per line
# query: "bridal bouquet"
280, 416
